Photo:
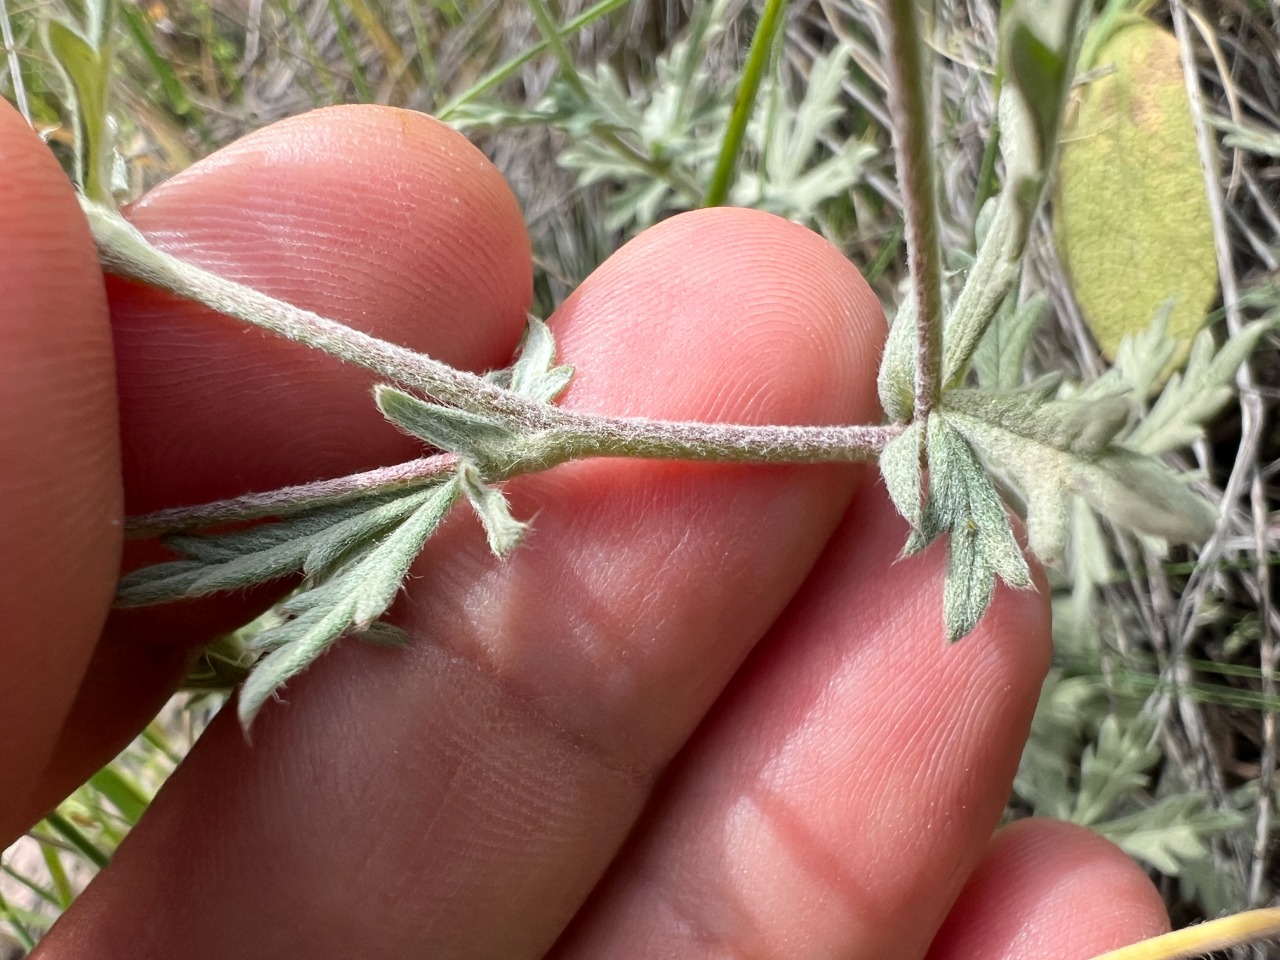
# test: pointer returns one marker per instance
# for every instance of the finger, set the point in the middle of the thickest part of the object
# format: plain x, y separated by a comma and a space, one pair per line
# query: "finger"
842, 790
384, 219
462, 795
1047, 889
60, 495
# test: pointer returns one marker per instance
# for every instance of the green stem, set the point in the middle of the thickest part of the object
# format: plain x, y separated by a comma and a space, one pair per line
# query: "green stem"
552, 435
295, 499
913, 152
726, 442
744, 104
72, 834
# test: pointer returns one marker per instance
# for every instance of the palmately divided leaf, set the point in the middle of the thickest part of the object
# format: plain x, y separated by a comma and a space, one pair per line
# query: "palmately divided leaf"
307, 639
503, 530
221, 547
981, 545
381, 573
999, 357
350, 601
1052, 450
188, 579
330, 545
1192, 397
244, 558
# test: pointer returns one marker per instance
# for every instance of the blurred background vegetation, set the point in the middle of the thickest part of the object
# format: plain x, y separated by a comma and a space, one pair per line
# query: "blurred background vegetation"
1157, 725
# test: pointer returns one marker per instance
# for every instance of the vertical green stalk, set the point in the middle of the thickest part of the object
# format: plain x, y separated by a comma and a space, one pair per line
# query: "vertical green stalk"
350, 53
752, 73
913, 154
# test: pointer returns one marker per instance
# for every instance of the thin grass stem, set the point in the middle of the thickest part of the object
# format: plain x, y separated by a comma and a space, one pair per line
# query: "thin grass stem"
1234, 931
735, 133
74, 836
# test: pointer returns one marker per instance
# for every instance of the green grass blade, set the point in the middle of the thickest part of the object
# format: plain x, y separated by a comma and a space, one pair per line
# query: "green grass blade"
351, 54
744, 104
126, 796
72, 834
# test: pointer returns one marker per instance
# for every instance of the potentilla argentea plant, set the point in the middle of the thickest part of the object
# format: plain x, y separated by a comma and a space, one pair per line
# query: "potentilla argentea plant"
943, 449
962, 430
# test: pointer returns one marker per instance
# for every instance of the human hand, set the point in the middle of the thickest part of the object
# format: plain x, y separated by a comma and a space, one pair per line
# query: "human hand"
701, 713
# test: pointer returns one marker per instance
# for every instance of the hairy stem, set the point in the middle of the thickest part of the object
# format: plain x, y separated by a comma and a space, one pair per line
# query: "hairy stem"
554, 435
127, 253
669, 440
913, 153
287, 500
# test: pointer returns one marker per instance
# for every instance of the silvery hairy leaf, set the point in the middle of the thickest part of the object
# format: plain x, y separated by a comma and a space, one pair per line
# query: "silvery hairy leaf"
1192, 397
896, 381
900, 468
503, 530
962, 502
242, 558
999, 357
350, 600
535, 374
981, 545
1050, 451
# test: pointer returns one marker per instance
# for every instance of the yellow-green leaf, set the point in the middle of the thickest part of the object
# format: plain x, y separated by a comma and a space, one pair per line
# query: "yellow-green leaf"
1132, 216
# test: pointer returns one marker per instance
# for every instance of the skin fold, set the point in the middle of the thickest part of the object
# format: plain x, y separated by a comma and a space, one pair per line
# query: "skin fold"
702, 712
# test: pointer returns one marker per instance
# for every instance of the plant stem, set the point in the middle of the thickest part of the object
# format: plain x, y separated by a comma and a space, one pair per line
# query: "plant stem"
913, 152
752, 73
554, 435
509, 69
126, 252
288, 500
672, 440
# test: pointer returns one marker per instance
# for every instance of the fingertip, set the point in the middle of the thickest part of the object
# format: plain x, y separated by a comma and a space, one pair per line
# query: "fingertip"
764, 312
384, 219
60, 496
1047, 888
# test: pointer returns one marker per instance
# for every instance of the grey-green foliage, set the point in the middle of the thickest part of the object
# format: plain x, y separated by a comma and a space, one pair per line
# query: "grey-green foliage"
962, 503
1067, 452
349, 597
354, 556
786, 138
1086, 763
657, 144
